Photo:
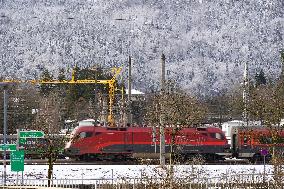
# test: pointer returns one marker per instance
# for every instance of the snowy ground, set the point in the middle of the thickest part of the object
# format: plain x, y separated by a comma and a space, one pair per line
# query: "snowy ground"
138, 171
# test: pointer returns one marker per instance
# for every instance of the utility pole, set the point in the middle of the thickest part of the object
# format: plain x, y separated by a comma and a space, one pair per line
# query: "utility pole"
5, 132
245, 94
95, 97
5, 126
129, 117
162, 114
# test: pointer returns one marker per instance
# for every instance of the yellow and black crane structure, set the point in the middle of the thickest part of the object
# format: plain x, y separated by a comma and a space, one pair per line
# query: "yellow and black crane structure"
110, 82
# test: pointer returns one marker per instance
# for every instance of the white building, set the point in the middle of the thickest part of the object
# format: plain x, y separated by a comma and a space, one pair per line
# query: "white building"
134, 92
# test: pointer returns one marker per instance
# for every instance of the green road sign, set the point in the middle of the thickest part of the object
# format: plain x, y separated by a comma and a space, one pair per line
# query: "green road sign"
31, 134
8, 147
17, 160
22, 140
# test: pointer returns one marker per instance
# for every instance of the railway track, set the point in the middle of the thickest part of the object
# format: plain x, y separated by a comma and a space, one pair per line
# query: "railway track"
72, 162
107, 162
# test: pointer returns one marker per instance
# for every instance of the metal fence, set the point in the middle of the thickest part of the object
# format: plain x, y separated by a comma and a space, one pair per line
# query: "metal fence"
226, 182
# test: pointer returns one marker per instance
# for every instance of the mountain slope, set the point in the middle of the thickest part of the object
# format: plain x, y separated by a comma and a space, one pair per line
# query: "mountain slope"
205, 42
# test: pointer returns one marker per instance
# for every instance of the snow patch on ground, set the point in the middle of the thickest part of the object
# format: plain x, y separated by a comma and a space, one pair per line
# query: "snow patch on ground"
133, 171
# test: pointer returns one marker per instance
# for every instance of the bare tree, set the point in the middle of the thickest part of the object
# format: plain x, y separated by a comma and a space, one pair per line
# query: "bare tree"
180, 108
48, 120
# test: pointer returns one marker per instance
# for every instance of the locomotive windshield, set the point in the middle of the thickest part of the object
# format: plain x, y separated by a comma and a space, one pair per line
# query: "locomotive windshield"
81, 135
85, 134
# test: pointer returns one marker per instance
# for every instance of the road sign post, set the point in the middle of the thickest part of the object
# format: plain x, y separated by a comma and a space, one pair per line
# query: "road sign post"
264, 153
17, 160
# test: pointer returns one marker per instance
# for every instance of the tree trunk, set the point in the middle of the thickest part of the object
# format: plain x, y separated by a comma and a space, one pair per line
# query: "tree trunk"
50, 166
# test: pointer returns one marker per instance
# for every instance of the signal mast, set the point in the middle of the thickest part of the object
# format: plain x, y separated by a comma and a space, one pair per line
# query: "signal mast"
245, 94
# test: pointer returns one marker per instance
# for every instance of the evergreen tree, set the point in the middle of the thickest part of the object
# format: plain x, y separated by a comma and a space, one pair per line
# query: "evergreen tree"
45, 89
61, 75
282, 62
260, 78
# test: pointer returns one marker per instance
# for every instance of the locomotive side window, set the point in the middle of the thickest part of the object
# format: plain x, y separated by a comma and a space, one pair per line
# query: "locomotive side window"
245, 139
218, 136
265, 140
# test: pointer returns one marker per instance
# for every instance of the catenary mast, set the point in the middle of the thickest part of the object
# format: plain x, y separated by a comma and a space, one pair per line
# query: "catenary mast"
245, 94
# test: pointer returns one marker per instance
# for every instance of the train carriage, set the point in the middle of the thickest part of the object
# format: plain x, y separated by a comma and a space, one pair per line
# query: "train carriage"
248, 142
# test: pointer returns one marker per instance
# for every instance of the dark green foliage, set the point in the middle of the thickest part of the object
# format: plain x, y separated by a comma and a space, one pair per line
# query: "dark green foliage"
62, 87
282, 61
86, 91
22, 102
45, 89
282, 56
69, 95
260, 79
61, 75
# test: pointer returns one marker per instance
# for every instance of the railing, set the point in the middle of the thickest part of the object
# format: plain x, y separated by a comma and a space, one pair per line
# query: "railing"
225, 182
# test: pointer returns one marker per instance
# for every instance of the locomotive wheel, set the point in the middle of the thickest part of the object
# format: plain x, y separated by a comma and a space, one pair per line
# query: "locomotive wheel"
119, 158
86, 157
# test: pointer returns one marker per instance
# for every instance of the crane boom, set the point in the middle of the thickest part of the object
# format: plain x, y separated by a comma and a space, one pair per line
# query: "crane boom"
109, 82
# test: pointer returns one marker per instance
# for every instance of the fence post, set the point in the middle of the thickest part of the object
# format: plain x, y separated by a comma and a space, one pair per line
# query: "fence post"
112, 177
82, 174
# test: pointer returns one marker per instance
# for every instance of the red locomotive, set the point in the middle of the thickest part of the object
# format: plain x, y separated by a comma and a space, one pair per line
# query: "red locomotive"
92, 142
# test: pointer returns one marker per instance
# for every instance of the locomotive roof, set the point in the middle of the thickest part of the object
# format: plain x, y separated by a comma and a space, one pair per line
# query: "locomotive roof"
260, 128
91, 128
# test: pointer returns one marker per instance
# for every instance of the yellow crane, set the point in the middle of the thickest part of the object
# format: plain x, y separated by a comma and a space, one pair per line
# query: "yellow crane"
109, 82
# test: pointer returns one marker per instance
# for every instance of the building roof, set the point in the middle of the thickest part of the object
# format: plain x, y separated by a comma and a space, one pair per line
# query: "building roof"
134, 92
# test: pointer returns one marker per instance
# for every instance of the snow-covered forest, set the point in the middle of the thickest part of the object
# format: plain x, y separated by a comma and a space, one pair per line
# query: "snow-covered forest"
205, 42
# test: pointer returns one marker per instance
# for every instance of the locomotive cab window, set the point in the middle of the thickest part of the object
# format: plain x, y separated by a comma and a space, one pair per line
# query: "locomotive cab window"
82, 135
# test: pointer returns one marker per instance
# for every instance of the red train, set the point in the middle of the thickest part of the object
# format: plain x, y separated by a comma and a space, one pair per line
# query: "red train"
92, 142
248, 142
245, 142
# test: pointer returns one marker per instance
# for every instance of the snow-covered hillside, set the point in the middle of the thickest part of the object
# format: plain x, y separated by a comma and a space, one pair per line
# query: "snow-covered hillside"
205, 42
